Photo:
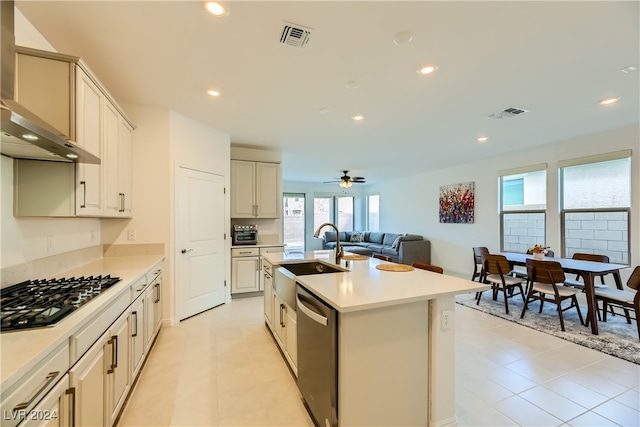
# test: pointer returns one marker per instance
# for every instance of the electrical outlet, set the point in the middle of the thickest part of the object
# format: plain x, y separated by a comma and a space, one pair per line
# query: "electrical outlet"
131, 235
446, 320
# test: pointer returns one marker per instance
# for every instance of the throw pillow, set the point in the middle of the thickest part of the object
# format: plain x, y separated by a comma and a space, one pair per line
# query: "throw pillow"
396, 243
356, 237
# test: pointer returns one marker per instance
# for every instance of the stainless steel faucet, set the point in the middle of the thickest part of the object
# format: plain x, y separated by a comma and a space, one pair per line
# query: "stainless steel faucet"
339, 251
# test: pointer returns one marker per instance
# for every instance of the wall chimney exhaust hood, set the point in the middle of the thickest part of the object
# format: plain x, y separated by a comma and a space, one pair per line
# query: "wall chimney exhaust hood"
23, 135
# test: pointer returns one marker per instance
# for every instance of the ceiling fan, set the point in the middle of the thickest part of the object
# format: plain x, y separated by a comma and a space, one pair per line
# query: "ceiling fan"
346, 181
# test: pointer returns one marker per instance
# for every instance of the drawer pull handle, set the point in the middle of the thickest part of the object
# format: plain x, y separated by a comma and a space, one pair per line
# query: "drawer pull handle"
158, 292
47, 380
140, 288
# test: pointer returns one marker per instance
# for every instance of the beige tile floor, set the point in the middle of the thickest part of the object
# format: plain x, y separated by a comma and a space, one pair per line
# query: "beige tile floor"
222, 368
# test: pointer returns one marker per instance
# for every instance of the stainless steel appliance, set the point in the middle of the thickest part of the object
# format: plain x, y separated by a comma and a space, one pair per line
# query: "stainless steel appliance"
245, 234
318, 357
37, 303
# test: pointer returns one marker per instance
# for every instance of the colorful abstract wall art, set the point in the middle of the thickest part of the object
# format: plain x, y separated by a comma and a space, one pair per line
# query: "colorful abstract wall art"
457, 203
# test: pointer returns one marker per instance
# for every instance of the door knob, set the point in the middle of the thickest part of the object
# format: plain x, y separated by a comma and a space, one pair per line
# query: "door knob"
184, 251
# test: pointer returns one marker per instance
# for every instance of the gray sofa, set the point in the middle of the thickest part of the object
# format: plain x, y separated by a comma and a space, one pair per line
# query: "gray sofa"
402, 248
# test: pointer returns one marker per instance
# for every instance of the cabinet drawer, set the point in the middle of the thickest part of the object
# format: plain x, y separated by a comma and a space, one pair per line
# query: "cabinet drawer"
271, 250
84, 339
154, 272
138, 287
239, 252
34, 385
267, 267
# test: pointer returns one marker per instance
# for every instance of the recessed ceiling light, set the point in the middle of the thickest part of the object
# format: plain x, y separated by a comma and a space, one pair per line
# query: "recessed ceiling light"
213, 93
609, 101
427, 69
358, 118
352, 84
216, 9
403, 37
483, 139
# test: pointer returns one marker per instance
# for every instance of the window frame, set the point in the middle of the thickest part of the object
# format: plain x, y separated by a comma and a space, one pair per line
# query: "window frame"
333, 208
501, 212
600, 158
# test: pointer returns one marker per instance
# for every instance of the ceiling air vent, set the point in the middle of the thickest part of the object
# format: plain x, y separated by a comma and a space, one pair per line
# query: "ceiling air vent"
295, 35
508, 112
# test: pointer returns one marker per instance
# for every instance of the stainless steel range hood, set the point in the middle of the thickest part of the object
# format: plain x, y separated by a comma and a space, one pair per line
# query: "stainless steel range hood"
23, 135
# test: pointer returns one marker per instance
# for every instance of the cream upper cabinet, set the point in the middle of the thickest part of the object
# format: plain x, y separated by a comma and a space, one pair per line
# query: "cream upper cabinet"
117, 136
255, 189
63, 91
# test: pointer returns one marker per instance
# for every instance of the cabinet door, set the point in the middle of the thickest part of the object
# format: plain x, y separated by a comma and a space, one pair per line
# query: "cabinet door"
118, 374
110, 161
291, 330
245, 274
278, 321
125, 170
89, 187
268, 196
138, 343
88, 378
243, 178
53, 409
149, 325
268, 296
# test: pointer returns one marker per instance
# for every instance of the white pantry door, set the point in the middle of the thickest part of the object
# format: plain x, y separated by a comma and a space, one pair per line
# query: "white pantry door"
199, 240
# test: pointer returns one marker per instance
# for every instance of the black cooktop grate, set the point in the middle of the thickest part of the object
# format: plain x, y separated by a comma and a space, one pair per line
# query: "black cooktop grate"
36, 303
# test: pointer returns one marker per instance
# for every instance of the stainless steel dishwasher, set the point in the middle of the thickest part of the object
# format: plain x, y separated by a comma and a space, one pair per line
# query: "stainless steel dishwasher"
318, 357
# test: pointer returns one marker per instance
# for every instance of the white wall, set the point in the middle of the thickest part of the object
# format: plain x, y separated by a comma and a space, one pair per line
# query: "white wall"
410, 204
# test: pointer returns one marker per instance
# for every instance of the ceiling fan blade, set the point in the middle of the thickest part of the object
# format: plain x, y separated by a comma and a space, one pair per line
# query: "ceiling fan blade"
357, 178
331, 182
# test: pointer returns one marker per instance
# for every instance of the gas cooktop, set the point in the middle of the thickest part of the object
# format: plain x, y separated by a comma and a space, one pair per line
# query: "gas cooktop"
37, 303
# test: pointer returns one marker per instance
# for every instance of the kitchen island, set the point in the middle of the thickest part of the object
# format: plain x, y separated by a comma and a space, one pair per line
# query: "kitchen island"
396, 348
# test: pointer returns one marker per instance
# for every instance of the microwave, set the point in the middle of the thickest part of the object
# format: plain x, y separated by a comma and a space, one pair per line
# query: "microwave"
245, 235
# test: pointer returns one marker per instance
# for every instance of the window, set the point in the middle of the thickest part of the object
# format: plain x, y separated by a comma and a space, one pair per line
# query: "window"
596, 202
373, 212
335, 209
523, 195
293, 222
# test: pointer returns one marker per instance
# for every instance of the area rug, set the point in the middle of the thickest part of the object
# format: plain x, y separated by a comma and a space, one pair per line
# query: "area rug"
616, 337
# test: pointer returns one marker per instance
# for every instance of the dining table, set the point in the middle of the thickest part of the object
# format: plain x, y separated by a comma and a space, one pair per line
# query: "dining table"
586, 269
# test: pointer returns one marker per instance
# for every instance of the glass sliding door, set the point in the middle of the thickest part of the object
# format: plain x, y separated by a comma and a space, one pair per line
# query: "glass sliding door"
293, 222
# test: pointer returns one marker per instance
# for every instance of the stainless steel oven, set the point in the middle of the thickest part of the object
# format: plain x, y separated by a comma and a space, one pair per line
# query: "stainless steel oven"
245, 235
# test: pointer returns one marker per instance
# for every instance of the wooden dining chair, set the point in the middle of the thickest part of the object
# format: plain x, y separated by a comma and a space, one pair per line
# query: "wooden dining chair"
545, 276
478, 259
383, 257
496, 273
579, 281
429, 267
621, 298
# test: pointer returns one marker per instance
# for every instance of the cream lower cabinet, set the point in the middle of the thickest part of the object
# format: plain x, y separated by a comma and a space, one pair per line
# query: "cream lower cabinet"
88, 378
118, 373
101, 377
138, 342
245, 270
285, 331
152, 311
55, 409
267, 280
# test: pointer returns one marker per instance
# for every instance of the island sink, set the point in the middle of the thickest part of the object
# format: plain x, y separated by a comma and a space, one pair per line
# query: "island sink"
284, 281
314, 267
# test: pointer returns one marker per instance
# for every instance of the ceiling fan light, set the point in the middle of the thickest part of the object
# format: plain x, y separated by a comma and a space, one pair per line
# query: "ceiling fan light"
345, 184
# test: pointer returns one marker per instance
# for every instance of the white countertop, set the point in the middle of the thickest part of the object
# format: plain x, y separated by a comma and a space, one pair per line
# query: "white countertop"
22, 350
365, 287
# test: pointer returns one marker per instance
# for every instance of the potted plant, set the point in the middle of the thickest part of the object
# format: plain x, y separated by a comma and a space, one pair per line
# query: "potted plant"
539, 251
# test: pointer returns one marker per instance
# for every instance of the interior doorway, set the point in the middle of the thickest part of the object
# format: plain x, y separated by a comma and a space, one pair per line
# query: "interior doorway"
293, 226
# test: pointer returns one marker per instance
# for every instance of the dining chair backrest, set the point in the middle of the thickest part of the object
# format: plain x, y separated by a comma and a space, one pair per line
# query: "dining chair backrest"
591, 257
496, 264
545, 271
634, 280
479, 252
429, 267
